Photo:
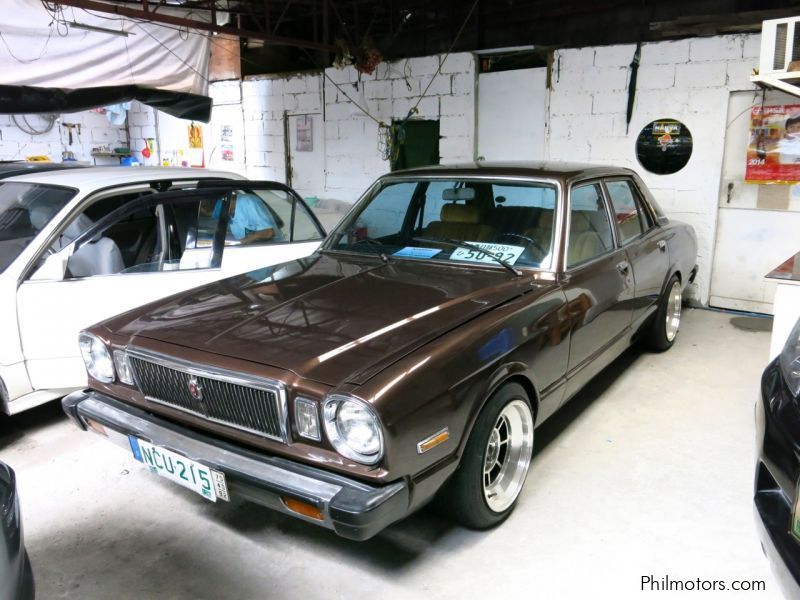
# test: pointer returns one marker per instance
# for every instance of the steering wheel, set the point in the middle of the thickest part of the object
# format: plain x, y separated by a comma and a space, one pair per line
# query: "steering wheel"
530, 241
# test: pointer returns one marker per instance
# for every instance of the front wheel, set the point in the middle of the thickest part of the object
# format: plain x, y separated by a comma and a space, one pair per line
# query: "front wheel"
485, 489
667, 320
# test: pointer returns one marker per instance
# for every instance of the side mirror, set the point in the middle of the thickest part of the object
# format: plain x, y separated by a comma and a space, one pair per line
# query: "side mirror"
54, 267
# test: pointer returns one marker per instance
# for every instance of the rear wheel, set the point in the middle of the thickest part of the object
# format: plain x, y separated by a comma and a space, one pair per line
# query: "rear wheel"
485, 489
667, 320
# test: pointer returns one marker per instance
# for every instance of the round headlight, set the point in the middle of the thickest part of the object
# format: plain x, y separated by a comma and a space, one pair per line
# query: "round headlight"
353, 429
96, 357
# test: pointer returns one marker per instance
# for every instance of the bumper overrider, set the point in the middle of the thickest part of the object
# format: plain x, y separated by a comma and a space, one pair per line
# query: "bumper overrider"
351, 508
776, 480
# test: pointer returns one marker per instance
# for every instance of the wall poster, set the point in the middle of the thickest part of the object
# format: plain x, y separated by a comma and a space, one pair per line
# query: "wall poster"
773, 151
226, 142
195, 152
305, 133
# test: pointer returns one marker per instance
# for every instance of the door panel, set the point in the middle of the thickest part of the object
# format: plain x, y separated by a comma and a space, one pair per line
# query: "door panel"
649, 258
50, 334
750, 244
757, 224
599, 287
512, 100
598, 297
306, 154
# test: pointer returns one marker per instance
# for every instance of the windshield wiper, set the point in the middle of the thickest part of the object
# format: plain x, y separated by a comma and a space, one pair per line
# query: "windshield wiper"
366, 239
462, 244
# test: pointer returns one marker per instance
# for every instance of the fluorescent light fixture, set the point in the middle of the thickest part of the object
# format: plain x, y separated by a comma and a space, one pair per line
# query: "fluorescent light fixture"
86, 27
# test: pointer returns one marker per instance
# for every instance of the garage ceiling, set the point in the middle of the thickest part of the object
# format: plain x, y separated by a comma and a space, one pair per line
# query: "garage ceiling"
285, 35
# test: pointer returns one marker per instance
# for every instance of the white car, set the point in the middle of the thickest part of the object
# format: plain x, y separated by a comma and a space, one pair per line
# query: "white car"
82, 245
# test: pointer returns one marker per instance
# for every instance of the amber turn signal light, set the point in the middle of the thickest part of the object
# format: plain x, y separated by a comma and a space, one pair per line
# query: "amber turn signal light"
431, 442
303, 508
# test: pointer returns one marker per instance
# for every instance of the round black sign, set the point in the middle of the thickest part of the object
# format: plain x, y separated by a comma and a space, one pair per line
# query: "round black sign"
664, 146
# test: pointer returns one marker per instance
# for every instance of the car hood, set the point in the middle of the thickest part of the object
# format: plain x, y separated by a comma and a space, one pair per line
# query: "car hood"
329, 318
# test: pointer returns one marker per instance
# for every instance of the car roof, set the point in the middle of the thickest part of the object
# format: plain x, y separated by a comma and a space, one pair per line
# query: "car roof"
93, 178
541, 169
18, 167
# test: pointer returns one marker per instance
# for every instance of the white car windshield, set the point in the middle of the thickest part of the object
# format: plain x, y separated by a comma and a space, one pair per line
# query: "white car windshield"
478, 221
25, 209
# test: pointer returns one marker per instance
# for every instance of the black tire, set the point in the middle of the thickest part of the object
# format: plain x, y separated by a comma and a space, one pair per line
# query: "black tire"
657, 338
464, 497
28, 591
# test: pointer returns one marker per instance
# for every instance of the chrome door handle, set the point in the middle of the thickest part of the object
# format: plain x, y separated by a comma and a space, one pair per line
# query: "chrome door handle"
662, 245
623, 267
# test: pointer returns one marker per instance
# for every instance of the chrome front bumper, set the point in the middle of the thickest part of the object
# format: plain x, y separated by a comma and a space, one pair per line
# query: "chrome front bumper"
351, 508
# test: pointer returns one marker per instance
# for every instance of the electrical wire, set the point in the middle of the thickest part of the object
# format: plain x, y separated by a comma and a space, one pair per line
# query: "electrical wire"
441, 63
30, 129
168, 49
27, 61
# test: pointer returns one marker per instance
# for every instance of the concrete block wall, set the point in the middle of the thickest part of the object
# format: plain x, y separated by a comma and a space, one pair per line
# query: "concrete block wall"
15, 144
264, 101
689, 80
353, 161
142, 125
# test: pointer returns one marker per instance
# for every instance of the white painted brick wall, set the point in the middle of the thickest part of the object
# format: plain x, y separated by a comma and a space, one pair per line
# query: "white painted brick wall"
615, 56
571, 103
701, 75
689, 80
716, 48
95, 130
655, 77
666, 53
351, 141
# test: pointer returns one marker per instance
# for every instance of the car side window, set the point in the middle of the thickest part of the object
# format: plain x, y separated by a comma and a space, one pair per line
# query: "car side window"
631, 218
264, 217
152, 239
590, 233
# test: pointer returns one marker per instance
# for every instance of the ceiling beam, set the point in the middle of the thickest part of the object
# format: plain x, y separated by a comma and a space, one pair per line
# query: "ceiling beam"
157, 17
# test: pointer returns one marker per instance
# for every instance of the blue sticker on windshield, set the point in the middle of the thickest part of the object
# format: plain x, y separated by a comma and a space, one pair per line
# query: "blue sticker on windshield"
415, 252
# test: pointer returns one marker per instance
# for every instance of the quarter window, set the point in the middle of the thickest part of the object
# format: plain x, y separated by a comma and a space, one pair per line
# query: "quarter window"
589, 228
631, 220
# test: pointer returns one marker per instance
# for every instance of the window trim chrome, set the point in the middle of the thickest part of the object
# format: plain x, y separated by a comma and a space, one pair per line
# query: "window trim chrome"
218, 374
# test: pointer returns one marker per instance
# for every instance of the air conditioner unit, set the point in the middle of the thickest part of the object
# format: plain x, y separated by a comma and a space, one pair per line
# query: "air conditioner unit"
779, 61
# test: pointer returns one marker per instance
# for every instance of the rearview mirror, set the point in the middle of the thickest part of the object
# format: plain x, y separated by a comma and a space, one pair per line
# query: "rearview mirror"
458, 194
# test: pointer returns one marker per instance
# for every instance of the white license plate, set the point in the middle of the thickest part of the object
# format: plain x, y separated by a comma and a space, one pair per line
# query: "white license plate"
210, 484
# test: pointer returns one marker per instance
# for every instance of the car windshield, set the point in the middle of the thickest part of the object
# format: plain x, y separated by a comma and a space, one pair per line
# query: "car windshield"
428, 219
25, 209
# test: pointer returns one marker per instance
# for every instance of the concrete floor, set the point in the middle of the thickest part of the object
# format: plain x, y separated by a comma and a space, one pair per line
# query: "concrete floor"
647, 472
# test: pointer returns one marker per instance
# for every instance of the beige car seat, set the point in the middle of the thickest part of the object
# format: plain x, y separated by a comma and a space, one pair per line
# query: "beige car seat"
460, 222
543, 232
584, 242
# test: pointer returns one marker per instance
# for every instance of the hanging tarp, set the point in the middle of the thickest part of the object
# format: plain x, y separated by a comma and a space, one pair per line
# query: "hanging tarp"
45, 47
28, 100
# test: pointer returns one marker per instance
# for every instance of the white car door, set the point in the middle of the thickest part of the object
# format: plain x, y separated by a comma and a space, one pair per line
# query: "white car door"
89, 281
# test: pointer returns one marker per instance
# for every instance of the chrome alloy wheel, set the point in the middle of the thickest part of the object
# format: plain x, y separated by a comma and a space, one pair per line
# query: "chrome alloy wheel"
507, 455
674, 300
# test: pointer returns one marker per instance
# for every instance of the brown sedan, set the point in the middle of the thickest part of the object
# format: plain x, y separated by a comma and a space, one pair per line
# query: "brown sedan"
451, 311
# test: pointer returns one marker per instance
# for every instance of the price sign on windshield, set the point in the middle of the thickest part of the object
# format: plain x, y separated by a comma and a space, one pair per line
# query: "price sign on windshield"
505, 252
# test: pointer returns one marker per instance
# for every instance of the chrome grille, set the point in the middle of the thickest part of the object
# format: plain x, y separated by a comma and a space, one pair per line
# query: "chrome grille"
252, 405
